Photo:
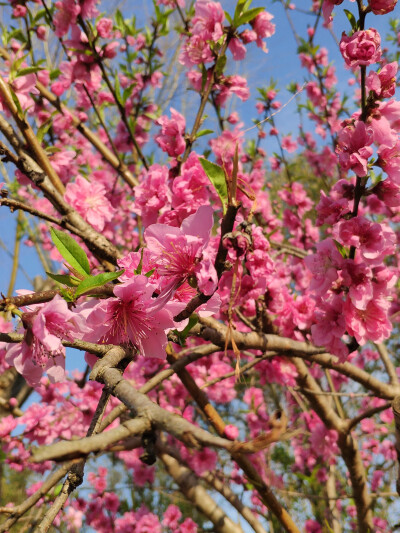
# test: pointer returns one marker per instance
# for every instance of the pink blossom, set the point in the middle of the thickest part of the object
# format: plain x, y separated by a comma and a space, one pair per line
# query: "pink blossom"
358, 277
208, 20
389, 161
104, 28
237, 49
263, 27
389, 192
324, 265
232, 85
361, 48
353, 148
153, 194
172, 516
330, 211
330, 326
195, 51
89, 199
231, 432
369, 324
148, 523
177, 252
65, 15
42, 349
187, 526
327, 8
374, 240
288, 144
170, 139
383, 83
133, 318
381, 7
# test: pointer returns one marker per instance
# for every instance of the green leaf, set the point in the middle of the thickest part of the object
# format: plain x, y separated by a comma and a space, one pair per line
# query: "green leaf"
70, 250
241, 6
65, 279
351, 19
57, 489
96, 281
181, 336
341, 249
27, 70
216, 175
228, 17
203, 132
150, 273
249, 15
138, 270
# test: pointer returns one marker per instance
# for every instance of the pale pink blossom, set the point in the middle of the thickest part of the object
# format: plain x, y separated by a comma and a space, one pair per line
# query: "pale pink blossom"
42, 350
263, 27
208, 20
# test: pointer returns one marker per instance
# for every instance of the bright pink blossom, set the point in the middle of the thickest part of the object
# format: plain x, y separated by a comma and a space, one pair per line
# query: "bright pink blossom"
369, 324
361, 48
134, 318
170, 139
381, 7
354, 148
324, 265
177, 252
375, 241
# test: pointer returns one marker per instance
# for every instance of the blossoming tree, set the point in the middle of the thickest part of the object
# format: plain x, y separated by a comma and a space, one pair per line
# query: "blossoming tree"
236, 312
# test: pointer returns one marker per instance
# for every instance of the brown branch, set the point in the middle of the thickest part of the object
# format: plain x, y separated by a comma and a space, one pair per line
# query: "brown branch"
30, 138
388, 364
94, 139
265, 493
66, 450
223, 488
367, 414
212, 330
19, 510
75, 475
16, 204
195, 493
348, 446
